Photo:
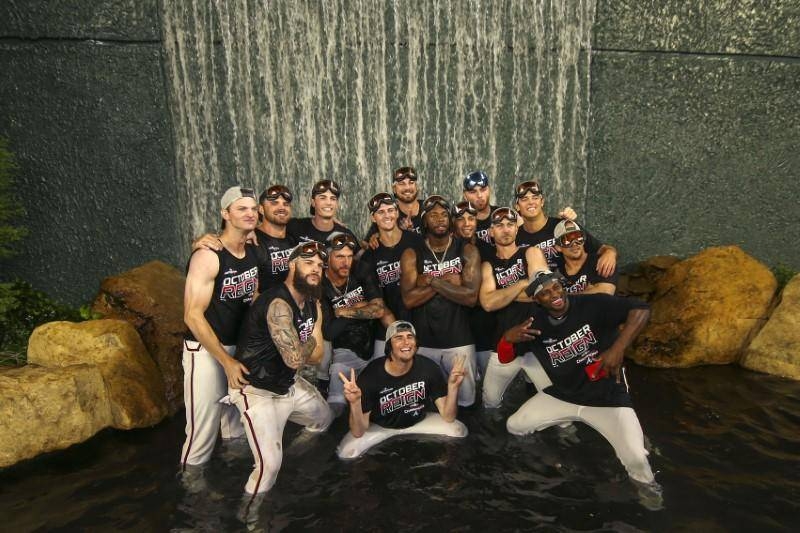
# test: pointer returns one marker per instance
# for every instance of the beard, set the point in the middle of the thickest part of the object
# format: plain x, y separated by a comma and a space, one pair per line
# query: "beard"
306, 289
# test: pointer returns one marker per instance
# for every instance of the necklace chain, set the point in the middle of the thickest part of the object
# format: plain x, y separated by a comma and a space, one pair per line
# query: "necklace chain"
444, 254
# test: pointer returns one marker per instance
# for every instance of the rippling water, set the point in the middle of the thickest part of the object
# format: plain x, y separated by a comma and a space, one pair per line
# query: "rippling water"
724, 441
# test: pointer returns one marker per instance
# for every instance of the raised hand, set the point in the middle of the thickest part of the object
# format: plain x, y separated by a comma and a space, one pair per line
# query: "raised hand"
352, 392
457, 373
522, 332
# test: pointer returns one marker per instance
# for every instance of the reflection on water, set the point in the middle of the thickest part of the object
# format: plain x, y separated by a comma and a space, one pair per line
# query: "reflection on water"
724, 441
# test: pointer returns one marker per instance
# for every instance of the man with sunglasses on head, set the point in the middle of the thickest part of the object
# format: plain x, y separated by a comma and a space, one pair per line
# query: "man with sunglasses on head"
577, 265
324, 204
353, 305
383, 261
580, 340
406, 192
478, 193
439, 284
282, 333
220, 285
537, 229
504, 278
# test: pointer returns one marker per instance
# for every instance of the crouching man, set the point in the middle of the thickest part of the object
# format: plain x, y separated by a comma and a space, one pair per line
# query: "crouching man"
391, 395
578, 342
282, 332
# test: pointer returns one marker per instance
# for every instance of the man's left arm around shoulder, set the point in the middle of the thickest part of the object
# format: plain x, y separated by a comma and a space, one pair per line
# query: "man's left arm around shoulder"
634, 323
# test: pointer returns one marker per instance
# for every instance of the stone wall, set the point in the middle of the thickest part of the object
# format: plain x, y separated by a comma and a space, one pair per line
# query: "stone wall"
83, 104
695, 127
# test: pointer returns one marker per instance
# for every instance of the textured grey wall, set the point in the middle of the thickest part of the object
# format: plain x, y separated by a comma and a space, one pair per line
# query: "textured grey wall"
83, 103
695, 127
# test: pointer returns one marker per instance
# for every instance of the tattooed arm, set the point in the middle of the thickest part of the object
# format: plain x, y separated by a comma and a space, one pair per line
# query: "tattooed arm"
294, 353
374, 308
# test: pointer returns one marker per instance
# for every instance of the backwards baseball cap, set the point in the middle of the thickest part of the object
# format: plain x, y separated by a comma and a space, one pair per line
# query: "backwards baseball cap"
476, 178
235, 193
399, 326
541, 279
567, 231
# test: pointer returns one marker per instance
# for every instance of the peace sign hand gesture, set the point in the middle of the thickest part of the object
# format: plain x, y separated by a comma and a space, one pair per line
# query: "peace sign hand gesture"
457, 373
352, 392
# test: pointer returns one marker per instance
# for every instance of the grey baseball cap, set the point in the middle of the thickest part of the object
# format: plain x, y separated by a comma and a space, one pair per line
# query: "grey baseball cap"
235, 193
399, 326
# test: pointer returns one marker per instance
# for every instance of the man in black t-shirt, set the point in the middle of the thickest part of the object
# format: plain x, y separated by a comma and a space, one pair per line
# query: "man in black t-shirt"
324, 205
274, 244
282, 333
353, 303
578, 341
579, 267
439, 282
383, 261
537, 228
391, 396
478, 193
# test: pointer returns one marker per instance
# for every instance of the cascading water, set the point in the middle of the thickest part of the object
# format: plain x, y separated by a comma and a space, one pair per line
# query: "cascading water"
295, 91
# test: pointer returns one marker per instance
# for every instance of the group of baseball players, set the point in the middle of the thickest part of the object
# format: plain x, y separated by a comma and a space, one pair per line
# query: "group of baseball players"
440, 304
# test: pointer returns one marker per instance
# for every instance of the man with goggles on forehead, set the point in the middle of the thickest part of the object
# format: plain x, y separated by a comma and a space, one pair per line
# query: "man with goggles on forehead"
220, 285
504, 278
282, 333
439, 284
478, 193
353, 304
324, 205
406, 191
383, 261
579, 267
537, 228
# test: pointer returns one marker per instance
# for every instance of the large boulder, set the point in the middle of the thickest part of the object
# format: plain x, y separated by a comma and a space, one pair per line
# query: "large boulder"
776, 348
46, 409
706, 310
135, 390
151, 298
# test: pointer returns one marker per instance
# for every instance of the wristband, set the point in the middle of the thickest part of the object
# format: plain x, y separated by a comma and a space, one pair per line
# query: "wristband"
505, 351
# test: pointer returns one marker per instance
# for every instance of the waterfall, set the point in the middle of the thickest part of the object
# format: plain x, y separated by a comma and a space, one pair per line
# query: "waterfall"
292, 91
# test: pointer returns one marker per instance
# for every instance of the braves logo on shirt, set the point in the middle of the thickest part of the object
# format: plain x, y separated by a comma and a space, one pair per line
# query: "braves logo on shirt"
239, 285
412, 394
506, 276
580, 346
388, 272
437, 270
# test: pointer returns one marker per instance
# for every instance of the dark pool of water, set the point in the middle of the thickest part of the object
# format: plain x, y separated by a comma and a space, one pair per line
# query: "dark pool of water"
724, 441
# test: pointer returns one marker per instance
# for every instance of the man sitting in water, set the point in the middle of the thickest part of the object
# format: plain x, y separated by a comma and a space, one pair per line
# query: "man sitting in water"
578, 342
391, 394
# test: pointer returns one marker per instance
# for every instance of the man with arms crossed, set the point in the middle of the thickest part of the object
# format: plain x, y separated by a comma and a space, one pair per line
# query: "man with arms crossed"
390, 396
578, 340
504, 279
439, 283
354, 301
282, 332
219, 288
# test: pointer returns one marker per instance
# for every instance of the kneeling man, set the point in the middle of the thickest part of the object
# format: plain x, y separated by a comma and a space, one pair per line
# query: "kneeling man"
391, 395
578, 342
283, 332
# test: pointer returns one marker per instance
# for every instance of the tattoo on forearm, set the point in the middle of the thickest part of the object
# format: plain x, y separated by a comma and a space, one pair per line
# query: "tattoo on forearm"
371, 310
293, 352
